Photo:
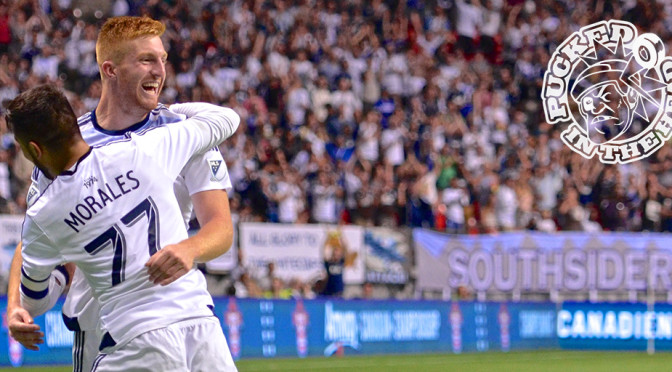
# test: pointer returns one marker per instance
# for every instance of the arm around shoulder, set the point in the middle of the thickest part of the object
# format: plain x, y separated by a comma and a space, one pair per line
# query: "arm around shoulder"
223, 120
212, 240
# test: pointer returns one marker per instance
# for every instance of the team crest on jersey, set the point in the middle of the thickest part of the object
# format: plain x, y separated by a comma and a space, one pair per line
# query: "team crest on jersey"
611, 87
214, 169
32, 196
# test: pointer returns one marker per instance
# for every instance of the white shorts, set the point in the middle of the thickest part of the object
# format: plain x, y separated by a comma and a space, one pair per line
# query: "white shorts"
84, 350
192, 345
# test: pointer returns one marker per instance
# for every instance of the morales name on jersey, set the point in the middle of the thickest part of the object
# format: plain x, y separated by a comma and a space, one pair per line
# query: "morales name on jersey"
102, 196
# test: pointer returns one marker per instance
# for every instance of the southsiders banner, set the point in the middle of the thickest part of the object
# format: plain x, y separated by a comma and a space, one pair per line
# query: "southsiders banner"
298, 251
529, 261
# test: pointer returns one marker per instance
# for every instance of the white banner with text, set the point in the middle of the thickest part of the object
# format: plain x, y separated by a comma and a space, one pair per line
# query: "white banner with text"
530, 261
298, 251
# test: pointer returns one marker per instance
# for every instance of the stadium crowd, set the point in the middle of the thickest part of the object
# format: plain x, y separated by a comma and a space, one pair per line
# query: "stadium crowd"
383, 112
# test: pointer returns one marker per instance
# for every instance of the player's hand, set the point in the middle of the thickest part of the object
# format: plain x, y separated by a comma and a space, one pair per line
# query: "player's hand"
169, 264
23, 329
70, 268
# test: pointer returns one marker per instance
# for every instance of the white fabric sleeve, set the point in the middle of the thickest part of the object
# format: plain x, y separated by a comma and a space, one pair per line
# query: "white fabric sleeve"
57, 284
192, 109
206, 172
208, 127
40, 258
39, 183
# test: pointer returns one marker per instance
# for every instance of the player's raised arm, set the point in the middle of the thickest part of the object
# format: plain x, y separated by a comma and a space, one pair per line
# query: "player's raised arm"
216, 233
207, 113
213, 239
207, 126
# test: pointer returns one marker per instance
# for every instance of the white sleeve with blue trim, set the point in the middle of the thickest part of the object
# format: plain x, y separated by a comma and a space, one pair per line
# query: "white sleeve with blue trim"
39, 183
207, 126
41, 284
33, 296
206, 172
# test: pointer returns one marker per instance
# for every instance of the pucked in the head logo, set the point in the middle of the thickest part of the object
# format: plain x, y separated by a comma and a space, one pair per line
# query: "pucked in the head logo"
601, 80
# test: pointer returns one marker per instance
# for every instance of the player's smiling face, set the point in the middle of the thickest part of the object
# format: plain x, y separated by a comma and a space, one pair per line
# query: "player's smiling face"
142, 72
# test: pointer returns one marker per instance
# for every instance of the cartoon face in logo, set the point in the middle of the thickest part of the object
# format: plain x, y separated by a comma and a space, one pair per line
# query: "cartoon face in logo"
609, 89
607, 106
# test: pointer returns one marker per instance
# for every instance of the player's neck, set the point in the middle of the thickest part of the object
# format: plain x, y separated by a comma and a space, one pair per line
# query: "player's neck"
68, 158
111, 115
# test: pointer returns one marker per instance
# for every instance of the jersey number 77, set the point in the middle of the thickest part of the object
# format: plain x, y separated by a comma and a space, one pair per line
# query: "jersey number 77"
115, 236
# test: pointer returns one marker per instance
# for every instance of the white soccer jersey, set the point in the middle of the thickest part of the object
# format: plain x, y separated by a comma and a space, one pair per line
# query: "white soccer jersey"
203, 172
206, 171
110, 212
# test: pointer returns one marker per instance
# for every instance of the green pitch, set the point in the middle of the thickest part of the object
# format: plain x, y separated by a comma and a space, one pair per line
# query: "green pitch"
533, 361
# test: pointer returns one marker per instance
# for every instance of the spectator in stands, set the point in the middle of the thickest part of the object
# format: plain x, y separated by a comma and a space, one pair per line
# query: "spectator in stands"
386, 106
543, 222
6, 199
246, 286
506, 203
469, 17
5, 29
455, 198
368, 137
45, 63
424, 198
334, 264
571, 213
366, 201
265, 278
347, 105
325, 194
392, 140
367, 291
652, 207
404, 92
390, 198
289, 196
492, 20
547, 185
452, 88
278, 290
526, 198
298, 101
307, 290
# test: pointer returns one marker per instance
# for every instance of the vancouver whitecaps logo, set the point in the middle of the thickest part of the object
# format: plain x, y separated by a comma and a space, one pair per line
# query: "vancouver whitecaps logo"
612, 87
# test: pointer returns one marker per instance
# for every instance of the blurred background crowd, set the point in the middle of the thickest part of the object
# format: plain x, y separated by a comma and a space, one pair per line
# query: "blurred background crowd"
377, 113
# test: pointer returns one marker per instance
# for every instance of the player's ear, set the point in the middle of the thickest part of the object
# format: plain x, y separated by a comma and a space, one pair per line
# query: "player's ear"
109, 70
34, 149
